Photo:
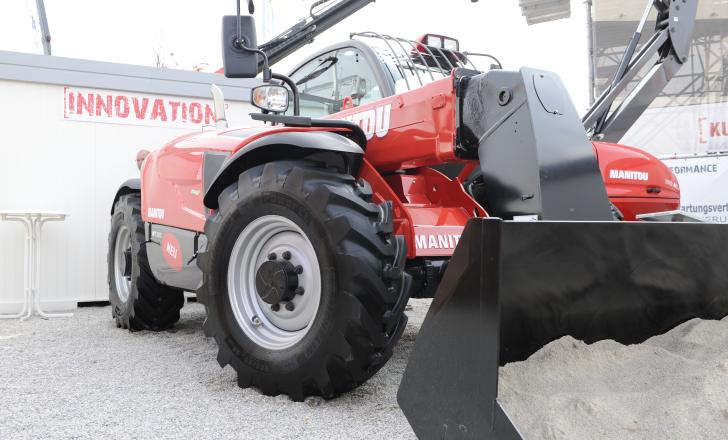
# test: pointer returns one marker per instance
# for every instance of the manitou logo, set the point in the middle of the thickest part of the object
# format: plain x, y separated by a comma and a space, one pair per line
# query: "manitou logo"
157, 213
628, 175
437, 241
374, 121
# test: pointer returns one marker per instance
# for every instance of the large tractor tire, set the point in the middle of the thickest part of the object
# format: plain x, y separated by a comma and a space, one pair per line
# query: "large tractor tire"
138, 301
303, 280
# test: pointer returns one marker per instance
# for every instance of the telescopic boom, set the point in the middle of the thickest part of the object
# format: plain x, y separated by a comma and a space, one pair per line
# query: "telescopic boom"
671, 43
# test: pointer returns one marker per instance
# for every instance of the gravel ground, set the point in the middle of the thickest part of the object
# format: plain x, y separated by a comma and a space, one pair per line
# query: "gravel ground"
83, 378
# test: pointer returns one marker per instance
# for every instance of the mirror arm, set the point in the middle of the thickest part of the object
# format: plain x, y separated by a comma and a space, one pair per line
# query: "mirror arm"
294, 89
240, 42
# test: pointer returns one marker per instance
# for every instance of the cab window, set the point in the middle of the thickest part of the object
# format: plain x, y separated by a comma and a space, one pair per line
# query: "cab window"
335, 81
315, 82
355, 80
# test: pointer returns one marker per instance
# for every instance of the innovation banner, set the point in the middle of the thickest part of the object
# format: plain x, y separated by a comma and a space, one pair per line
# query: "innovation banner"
112, 107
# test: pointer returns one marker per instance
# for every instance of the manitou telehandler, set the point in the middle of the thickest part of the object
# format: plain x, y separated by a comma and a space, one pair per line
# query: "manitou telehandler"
401, 170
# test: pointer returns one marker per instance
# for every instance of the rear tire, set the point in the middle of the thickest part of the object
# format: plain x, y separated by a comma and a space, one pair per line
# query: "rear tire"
138, 301
363, 289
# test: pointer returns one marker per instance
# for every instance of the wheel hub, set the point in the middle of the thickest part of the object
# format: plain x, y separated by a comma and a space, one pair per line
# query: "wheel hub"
126, 264
122, 263
276, 281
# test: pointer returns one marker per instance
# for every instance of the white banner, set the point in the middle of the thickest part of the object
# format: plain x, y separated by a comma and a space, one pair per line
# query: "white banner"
106, 106
703, 186
690, 129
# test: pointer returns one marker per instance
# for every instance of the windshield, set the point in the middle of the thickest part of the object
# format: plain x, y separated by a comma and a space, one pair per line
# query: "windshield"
319, 70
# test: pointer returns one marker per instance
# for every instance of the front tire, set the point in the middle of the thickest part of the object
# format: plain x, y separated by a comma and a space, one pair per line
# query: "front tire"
138, 301
296, 225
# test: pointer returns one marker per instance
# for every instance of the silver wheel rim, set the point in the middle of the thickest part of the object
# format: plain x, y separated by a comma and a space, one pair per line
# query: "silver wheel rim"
273, 330
122, 271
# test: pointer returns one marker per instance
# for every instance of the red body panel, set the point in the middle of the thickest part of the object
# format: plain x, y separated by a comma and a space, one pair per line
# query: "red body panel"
172, 192
410, 131
637, 182
172, 180
430, 210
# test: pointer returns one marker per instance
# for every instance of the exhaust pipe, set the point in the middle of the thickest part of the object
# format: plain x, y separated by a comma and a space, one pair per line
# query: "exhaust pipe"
219, 103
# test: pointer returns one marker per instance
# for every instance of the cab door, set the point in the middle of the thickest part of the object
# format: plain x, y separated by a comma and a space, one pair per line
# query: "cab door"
337, 80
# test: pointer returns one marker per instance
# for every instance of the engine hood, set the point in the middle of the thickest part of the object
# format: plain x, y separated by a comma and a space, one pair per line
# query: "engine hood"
630, 172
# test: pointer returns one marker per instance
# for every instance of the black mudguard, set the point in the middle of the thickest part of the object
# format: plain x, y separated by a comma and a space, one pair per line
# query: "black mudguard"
128, 187
513, 287
323, 146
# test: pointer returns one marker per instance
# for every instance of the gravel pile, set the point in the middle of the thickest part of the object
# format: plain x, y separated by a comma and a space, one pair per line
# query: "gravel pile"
84, 378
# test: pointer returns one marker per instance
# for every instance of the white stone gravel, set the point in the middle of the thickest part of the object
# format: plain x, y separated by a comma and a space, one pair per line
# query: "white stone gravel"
83, 378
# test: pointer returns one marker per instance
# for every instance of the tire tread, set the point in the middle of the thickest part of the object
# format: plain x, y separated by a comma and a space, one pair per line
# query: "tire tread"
364, 248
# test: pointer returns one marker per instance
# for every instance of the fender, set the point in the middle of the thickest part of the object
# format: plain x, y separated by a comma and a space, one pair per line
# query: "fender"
330, 147
128, 187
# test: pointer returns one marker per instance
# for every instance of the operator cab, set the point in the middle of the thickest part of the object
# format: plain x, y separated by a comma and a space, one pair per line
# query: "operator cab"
339, 77
372, 66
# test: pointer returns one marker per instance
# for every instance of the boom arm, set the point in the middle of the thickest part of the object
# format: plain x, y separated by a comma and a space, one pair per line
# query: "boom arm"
671, 42
310, 27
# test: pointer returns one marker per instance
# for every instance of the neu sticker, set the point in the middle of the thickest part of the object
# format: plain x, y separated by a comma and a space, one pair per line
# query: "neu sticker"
172, 252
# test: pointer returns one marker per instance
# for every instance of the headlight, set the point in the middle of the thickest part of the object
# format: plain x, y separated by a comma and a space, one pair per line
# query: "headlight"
271, 98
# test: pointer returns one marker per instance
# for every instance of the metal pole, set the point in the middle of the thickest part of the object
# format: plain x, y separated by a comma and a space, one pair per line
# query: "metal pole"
46, 38
592, 52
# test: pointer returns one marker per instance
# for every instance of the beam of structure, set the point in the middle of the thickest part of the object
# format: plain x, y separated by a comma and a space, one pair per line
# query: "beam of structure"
45, 32
541, 11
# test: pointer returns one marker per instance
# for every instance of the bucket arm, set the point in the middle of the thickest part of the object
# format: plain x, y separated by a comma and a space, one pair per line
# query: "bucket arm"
309, 28
671, 43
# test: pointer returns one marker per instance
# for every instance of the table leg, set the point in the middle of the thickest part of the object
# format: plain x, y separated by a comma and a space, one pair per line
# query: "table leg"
38, 226
30, 265
27, 287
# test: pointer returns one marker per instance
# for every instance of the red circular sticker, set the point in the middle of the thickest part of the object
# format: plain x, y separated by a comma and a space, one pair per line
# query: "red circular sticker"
172, 251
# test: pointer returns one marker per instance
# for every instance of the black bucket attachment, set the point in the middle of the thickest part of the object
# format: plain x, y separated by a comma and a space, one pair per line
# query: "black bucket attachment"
513, 287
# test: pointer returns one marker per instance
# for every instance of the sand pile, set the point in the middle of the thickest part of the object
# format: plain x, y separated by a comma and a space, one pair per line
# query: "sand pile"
673, 386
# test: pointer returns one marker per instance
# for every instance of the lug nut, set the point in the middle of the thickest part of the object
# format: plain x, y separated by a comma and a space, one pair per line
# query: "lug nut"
290, 306
299, 290
275, 307
256, 321
299, 269
272, 256
286, 255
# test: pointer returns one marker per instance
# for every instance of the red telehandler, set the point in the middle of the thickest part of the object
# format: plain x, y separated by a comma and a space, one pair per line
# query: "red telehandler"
401, 170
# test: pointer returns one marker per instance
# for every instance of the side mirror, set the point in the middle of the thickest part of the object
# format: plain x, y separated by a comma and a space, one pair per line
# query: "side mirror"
270, 98
237, 61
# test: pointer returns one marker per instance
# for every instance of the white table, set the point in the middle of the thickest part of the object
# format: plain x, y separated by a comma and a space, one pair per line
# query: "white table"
33, 222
